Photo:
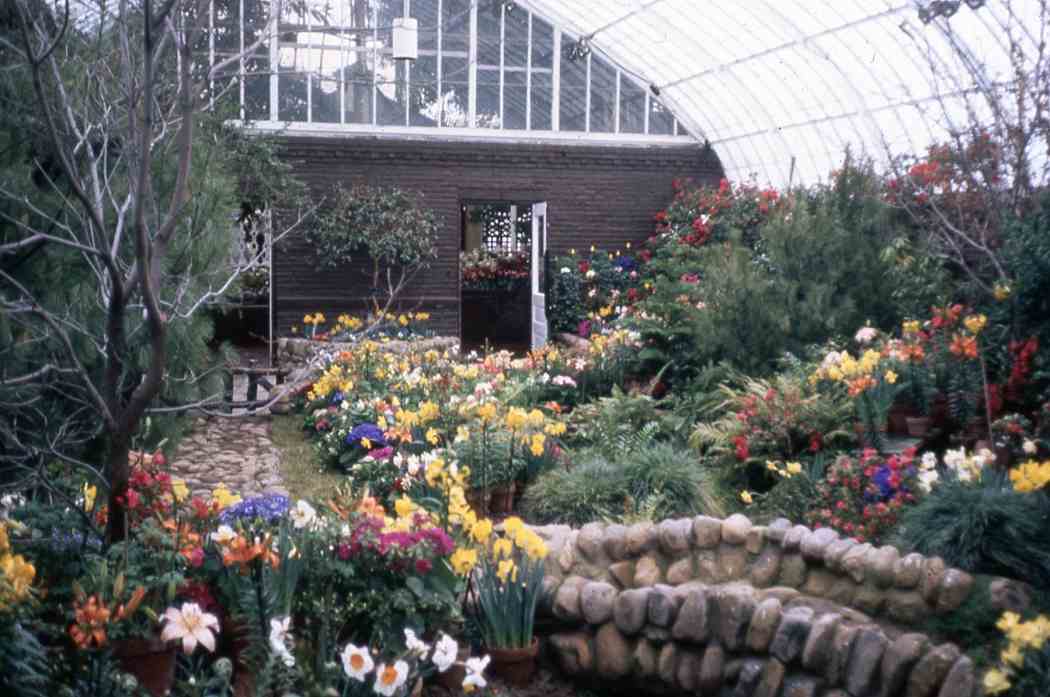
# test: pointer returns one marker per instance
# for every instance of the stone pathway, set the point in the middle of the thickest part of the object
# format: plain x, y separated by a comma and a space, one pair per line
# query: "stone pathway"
237, 452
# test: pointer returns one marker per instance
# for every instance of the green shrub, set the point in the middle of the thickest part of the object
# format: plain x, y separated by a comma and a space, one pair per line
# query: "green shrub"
663, 480
970, 625
985, 528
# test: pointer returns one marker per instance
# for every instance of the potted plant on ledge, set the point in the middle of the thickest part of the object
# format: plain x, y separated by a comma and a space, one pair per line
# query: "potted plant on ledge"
508, 584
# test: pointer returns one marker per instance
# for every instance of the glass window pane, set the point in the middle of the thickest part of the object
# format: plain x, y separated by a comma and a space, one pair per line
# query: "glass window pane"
573, 107
455, 21
661, 121
453, 106
488, 33
514, 96
488, 98
541, 102
392, 93
516, 38
542, 44
425, 12
603, 96
424, 92
632, 107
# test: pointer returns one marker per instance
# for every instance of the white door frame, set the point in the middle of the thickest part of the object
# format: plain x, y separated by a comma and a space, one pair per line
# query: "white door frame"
538, 303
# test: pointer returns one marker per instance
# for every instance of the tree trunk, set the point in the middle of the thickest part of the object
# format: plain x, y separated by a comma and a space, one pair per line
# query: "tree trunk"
118, 472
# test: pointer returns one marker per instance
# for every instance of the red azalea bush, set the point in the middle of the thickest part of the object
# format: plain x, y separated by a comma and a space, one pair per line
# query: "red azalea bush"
863, 497
697, 215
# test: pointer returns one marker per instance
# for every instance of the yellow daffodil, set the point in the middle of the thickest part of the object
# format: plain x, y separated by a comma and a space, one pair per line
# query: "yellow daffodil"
515, 419
1001, 292
463, 560
481, 531
746, 497
506, 568
222, 496
537, 446
995, 681
975, 323
432, 436
794, 468
891, 377
912, 327
90, 492
462, 434
404, 507
502, 548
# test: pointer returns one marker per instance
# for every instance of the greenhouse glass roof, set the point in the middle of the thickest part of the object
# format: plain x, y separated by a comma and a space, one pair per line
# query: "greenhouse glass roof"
781, 87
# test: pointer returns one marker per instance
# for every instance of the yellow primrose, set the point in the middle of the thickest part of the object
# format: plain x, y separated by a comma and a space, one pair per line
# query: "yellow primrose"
432, 436
535, 418
538, 441
975, 323
891, 377
554, 429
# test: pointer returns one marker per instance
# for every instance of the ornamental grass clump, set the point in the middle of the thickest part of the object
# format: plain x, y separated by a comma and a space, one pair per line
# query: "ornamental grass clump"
975, 520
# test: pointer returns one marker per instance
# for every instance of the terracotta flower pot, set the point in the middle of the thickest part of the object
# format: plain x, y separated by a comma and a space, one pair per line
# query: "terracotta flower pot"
919, 426
151, 661
515, 666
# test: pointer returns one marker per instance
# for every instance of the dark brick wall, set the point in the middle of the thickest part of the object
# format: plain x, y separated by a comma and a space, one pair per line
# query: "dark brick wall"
599, 195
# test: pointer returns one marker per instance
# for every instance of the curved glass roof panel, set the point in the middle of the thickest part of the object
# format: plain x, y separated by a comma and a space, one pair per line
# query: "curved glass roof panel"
781, 87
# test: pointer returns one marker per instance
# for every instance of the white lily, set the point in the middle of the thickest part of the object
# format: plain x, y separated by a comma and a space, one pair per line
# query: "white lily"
445, 651
191, 625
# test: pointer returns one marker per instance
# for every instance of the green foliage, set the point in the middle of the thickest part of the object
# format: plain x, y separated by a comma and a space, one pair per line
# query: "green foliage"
986, 528
622, 422
789, 497
661, 479
970, 625
389, 226
23, 661
507, 602
1026, 254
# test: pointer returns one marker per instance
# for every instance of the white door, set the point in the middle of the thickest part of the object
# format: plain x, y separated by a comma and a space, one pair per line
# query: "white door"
539, 254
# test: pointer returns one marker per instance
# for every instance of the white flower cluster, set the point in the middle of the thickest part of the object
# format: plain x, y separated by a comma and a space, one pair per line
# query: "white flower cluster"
390, 677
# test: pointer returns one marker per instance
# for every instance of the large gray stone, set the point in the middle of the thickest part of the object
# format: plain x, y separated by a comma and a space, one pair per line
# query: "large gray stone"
931, 670
854, 562
901, 656
932, 570
647, 572
596, 602
953, 590
748, 678
862, 671
733, 560
881, 563
675, 536
800, 686
756, 539
766, 568
735, 529
772, 678
838, 659
667, 662
663, 606
614, 542
711, 669
645, 659
817, 651
776, 530
623, 573
567, 599
792, 633
793, 539
589, 543
681, 571
1008, 595
694, 618
573, 652
614, 653
764, 623
960, 680
906, 607
707, 532
630, 610
641, 538
835, 552
815, 544
907, 571
793, 570
869, 598
736, 605
687, 674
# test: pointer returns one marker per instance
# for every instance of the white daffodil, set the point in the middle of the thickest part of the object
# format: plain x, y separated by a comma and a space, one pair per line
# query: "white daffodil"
279, 639
357, 662
302, 515
927, 478
955, 459
929, 461
445, 652
1029, 447
475, 678
390, 678
190, 625
224, 535
414, 644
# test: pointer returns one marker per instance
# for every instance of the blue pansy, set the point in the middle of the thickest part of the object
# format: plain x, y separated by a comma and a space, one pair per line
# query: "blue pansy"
366, 430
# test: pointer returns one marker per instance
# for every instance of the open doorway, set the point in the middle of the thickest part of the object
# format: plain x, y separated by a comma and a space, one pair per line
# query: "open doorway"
496, 265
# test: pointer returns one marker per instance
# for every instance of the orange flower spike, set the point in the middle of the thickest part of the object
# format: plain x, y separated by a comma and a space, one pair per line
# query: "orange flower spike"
91, 619
125, 611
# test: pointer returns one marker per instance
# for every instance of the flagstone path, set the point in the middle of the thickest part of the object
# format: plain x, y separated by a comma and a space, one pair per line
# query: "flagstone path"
236, 451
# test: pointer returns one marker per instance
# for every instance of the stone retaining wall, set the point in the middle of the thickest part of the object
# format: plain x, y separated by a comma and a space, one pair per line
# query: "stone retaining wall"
724, 607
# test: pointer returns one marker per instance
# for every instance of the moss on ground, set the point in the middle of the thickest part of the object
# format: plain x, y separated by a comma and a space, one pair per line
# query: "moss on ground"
301, 470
